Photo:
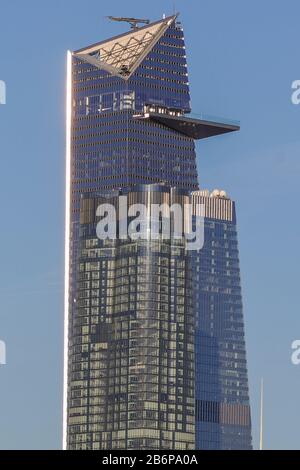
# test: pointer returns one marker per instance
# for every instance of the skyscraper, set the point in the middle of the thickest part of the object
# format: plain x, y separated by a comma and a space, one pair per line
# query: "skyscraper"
129, 129
133, 331
223, 419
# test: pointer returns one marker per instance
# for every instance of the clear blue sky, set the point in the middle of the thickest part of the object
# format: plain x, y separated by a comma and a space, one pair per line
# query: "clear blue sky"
243, 57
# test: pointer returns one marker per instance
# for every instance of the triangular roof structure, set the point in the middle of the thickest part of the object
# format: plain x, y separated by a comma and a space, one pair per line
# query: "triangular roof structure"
121, 55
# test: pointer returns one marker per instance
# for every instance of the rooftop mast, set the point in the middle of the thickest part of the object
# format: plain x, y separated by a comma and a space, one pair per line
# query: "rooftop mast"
132, 21
261, 414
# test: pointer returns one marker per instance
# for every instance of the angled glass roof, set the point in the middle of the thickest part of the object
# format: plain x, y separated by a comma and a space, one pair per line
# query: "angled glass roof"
122, 54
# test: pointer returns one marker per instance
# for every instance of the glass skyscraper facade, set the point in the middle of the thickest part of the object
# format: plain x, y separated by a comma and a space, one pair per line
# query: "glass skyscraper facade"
223, 419
132, 378
129, 306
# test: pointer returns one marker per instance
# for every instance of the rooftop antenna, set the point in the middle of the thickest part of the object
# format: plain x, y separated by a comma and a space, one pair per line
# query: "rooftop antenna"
132, 21
261, 414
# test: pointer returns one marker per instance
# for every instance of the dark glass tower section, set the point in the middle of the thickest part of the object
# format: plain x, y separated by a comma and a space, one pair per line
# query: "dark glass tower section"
129, 124
133, 332
223, 419
116, 84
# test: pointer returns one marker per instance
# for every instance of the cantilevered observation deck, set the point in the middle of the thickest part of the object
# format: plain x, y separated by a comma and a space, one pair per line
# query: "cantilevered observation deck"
200, 127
